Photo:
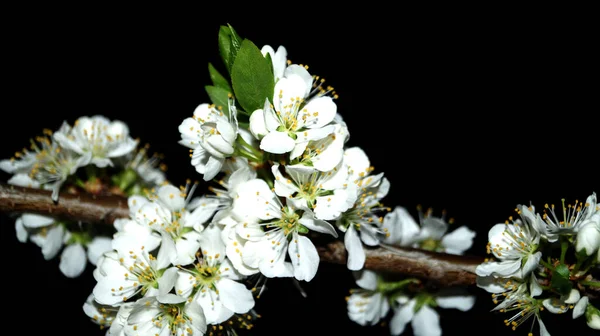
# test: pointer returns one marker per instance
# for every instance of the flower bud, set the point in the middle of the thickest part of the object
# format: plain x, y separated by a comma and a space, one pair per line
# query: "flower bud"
592, 315
588, 238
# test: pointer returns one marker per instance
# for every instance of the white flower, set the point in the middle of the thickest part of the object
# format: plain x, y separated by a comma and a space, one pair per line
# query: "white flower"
279, 60
149, 169
98, 139
367, 306
515, 245
47, 164
364, 193
123, 274
45, 233
212, 282
425, 321
211, 134
117, 327
320, 191
559, 305
283, 224
102, 315
323, 154
237, 229
402, 230
223, 196
165, 315
574, 217
168, 215
588, 237
299, 114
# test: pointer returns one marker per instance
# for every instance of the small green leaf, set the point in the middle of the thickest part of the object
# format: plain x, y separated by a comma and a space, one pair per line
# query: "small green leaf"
219, 97
218, 79
229, 45
251, 77
560, 280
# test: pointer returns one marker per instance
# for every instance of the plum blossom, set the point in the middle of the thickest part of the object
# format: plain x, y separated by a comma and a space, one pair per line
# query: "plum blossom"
213, 281
266, 249
97, 139
211, 134
299, 114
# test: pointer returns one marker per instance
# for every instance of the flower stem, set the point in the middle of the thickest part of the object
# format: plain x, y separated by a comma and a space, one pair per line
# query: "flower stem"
590, 283
564, 246
547, 264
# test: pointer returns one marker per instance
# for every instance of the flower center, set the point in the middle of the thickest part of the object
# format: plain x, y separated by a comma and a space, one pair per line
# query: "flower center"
431, 244
573, 215
206, 275
289, 222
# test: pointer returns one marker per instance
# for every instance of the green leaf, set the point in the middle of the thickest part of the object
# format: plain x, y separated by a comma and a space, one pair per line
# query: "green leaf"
218, 79
229, 45
560, 280
236, 41
219, 97
270, 60
251, 77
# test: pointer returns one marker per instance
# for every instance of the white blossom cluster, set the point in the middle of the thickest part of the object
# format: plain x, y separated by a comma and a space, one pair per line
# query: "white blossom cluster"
57, 161
168, 271
532, 270
408, 300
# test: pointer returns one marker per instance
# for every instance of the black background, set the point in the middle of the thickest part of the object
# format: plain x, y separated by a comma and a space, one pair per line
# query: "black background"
470, 115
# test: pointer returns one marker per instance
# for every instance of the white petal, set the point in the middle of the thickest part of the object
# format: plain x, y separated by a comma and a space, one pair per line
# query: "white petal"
235, 296
53, 242
297, 70
356, 253
33, 221
258, 128
580, 307
170, 299
22, 233
458, 241
214, 310
532, 263
317, 225
212, 168
366, 279
535, 289
304, 256
321, 111
463, 303
186, 247
97, 247
277, 142
492, 284
555, 306
194, 311
284, 187
401, 317
23, 180
401, 226
426, 322
184, 283
73, 260
543, 330
167, 253
288, 89
573, 297
167, 281
504, 268
211, 243
593, 322
171, 197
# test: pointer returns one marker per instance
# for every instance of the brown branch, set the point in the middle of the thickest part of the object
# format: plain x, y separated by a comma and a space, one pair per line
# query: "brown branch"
81, 207
440, 268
